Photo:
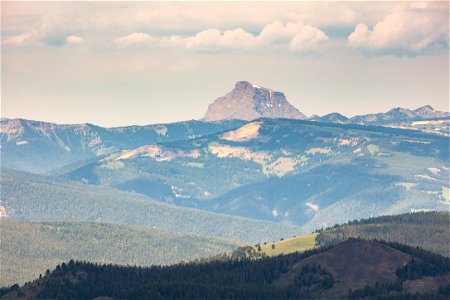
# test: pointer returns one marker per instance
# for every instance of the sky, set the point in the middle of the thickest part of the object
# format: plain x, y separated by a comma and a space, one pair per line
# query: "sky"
124, 63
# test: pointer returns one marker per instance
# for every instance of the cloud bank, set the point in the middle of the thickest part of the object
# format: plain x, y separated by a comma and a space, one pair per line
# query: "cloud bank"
407, 31
399, 28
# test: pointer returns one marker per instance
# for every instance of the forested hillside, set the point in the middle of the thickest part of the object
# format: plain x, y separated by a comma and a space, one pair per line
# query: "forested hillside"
28, 249
29, 197
429, 230
392, 270
310, 174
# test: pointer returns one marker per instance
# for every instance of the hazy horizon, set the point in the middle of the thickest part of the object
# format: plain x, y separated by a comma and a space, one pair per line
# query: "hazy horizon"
135, 63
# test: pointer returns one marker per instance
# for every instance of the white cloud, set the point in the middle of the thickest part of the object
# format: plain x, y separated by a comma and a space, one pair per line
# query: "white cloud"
275, 32
38, 37
308, 38
18, 40
292, 36
400, 26
238, 39
74, 39
297, 35
134, 39
214, 39
412, 30
205, 39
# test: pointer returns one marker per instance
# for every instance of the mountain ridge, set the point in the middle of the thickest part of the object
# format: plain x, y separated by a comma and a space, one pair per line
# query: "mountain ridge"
372, 268
40, 147
393, 116
286, 170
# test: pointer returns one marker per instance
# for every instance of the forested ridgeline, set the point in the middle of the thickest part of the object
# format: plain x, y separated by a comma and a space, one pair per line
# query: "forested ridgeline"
428, 230
240, 277
226, 279
36, 198
28, 249
423, 263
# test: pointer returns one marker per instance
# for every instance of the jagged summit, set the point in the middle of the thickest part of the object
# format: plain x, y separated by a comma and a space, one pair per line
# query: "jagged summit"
428, 111
249, 101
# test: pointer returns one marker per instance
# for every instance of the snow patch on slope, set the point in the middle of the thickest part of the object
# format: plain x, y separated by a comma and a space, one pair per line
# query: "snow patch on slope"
2, 212
161, 130
312, 206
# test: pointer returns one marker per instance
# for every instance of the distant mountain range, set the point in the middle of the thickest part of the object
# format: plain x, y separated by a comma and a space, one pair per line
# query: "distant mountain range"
249, 101
394, 116
40, 147
254, 170
292, 171
309, 173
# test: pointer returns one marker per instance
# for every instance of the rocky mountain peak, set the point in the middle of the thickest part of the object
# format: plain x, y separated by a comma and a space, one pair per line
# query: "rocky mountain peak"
425, 107
249, 101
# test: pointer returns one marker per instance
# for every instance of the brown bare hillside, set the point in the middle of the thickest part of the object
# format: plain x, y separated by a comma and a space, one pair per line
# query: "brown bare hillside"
354, 264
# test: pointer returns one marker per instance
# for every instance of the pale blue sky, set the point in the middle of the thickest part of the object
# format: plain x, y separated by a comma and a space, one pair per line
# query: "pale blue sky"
127, 63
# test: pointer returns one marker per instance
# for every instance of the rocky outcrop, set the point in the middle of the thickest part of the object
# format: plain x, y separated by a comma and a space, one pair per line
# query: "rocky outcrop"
248, 102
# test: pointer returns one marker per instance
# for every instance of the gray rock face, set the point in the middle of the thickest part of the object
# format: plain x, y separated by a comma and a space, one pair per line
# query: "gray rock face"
428, 112
248, 101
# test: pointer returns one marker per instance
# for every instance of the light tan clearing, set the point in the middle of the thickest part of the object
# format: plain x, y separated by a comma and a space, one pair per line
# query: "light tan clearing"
244, 133
318, 151
158, 153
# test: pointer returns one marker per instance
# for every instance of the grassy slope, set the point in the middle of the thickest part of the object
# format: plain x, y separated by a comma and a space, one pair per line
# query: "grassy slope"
28, 249
290, 245
429, 230
34, 198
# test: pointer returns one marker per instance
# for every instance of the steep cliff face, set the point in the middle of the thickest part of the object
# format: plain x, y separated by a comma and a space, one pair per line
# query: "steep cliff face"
249, 101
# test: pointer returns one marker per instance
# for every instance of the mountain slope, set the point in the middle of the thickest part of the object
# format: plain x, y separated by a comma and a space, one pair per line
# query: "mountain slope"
355, 263
28, 249
343, 270
30, 197
293, 171
331, 118
248, 101
40, 147
429, 230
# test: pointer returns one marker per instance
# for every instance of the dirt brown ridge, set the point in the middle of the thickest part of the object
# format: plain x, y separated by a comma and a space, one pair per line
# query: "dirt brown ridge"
354, 264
